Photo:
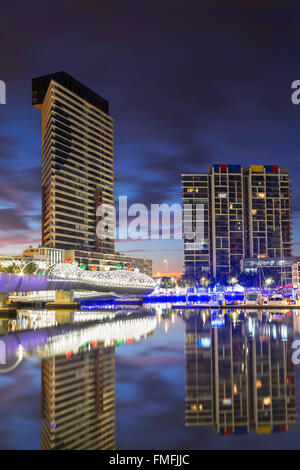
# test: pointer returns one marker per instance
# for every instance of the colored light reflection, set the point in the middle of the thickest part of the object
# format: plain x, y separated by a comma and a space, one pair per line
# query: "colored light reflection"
204, 342
218, 322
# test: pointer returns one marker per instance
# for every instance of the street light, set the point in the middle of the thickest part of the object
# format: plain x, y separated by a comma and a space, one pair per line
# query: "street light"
233, 280
166, 261
269, 281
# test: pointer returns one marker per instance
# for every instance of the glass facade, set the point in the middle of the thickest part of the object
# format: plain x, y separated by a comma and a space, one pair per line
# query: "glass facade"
247, 214
77, 162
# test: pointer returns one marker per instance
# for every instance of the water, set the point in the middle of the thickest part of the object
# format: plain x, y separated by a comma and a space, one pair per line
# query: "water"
138, 379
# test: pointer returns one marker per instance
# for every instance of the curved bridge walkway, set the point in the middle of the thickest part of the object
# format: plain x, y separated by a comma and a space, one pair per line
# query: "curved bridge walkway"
36, 282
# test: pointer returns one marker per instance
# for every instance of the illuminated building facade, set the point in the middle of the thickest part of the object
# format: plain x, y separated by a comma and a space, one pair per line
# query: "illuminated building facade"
195, 193
78, 400
284, 272
90, 258
246, 214
77, 162
269, 212
77, 174
227, 215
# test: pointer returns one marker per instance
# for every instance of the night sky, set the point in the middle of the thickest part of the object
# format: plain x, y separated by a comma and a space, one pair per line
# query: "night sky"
190, 83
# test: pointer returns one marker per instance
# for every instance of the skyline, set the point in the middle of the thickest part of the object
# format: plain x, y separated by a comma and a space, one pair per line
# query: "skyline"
184, 95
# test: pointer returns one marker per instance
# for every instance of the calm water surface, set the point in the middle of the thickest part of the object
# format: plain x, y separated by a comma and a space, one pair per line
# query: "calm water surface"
138, 379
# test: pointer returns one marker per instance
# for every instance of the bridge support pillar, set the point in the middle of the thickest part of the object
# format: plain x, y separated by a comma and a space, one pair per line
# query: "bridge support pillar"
63, 297
3, 299
63, 316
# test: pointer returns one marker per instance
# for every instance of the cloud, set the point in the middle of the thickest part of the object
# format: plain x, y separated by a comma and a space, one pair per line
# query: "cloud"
11, 220
188, 85
7, 145
19, 241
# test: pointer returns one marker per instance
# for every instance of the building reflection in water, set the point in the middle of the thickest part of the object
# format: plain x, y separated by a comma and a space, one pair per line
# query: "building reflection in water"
78, 400
77, 351
78, 389
239, 372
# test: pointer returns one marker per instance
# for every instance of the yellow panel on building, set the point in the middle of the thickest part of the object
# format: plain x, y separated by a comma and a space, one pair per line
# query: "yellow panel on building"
264, 430
257, 168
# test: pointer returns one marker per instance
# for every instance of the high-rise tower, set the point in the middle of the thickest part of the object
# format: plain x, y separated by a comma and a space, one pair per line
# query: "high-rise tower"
246, 213
77, 162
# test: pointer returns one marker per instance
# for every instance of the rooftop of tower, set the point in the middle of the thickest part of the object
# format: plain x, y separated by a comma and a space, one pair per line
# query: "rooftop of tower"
40, 86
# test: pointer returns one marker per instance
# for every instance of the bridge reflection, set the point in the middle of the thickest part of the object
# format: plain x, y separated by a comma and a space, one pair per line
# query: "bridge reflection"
68, 337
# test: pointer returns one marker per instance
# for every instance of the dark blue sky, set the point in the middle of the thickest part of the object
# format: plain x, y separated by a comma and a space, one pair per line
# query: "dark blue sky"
190, 83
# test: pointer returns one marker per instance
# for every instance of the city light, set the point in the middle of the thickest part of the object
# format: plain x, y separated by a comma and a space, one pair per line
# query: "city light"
117, 277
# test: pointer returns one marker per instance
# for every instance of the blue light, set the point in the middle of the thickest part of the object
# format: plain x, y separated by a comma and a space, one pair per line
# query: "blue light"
204, 342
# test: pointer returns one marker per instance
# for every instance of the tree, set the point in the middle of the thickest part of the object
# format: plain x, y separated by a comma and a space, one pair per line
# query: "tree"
205, 281
25, 267
11, 268
29, 268
167, 282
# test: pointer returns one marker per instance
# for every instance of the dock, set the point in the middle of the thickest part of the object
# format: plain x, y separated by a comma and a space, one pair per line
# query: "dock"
237, 306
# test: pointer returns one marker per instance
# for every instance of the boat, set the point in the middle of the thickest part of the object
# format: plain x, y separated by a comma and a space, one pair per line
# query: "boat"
253, 298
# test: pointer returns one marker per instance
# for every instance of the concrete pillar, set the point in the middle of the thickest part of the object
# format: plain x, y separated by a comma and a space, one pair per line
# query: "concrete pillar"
63, 316
63, 297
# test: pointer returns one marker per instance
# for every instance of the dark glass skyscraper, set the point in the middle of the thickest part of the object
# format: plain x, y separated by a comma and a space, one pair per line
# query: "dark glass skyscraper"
246, 214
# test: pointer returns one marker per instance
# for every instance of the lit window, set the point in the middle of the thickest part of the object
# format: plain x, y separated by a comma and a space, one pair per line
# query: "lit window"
262, 195
267, 401
254, 211
227, 402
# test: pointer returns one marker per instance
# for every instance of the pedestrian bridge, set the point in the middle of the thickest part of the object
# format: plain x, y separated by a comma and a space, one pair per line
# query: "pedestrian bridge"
70, 277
